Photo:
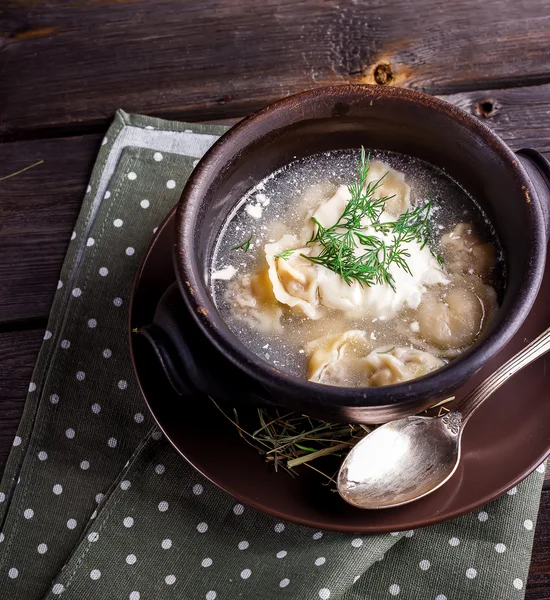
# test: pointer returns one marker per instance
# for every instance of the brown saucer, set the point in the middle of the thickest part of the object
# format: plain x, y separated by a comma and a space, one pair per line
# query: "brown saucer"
506, 439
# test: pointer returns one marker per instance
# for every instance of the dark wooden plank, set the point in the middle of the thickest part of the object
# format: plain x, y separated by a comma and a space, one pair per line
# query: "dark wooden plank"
39, 207
70, 64
18, 352
538, 584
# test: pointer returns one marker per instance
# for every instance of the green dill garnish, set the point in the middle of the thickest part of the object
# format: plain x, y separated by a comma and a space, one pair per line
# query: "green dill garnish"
245, 246
340, 242
285, 254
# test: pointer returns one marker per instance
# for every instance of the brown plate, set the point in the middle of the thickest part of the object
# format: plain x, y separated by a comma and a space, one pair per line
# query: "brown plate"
505, 440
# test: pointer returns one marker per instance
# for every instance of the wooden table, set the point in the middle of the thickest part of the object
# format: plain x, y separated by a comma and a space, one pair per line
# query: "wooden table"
66, 66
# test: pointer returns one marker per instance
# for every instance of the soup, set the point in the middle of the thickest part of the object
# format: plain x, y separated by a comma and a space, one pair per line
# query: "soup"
357, 269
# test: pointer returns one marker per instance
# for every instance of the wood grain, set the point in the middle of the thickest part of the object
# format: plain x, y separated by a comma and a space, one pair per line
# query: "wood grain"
38, 208
70, 64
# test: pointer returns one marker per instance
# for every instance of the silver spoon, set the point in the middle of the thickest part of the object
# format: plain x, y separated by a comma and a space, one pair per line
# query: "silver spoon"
407, 459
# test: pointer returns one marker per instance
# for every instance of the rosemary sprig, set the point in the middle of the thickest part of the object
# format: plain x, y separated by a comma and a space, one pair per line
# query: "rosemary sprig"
245, 246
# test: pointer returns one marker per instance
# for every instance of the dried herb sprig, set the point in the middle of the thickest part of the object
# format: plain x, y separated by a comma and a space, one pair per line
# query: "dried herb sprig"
244, 246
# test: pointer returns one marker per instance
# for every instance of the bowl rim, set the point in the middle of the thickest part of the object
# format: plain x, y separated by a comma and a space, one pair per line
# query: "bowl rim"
198, 299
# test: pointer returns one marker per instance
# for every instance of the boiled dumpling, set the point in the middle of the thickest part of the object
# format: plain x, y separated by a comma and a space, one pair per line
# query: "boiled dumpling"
346, 360
465, 253
252, 300
393, 185
293, 278
453, 319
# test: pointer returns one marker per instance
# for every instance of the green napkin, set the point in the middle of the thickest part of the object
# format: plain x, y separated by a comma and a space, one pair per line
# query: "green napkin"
94, 503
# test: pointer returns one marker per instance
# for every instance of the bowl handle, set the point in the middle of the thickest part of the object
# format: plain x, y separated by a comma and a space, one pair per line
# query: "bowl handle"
538, 169
190, 363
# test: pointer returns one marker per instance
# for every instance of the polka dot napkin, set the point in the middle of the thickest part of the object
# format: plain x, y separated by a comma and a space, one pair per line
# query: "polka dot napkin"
95, 504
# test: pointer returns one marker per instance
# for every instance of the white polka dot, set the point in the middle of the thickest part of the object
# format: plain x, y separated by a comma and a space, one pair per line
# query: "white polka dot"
42, 455
17, 441
122, 384
71, 523
206, 562
107, 195
155, 229
42, 548
80, 375
94, 515
284, 582
88, 189
57, 489
518, 584
320, 561
13, 573
73, 235
324, 593
99, 497
513, 491
128, 521
32, 386
77, 292
246, 573
482, 516
281, 554
170, 579
95, 574
111, 442
243, 545
440, 597
96, 408
104, 141
130, 251
195, 163
90, 242
454, 541
54, 398
58, 588
131, 559
471, 573
107, 353
131, 176
93, 536
541, 468
149, 127
202, 527
357, 542
47, 335
409, 534
528, 524
134, 596
92, 323
104, 271
279, 528
144, 204
139, 418
317, 535
394, 589
163, 506
500, 548
84, 465
28, 513
211, 595
238, 509
59, 284
118, 222
170, 184
157, 156
2, 497
356, 578
117, 301
125, 485
198, 489
65, 344
424, 564
166, 544
70, 433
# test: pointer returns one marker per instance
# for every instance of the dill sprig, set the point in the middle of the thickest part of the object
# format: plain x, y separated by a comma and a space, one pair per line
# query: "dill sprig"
285, 254
245, 246
347, 250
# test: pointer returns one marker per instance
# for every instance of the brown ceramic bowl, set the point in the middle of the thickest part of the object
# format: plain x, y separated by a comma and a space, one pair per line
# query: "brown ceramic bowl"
198, 350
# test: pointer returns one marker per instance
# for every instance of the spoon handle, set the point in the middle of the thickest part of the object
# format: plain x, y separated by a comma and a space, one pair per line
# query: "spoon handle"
537, 348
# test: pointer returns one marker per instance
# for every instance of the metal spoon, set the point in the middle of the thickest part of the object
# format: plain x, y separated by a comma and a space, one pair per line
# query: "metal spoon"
407, 459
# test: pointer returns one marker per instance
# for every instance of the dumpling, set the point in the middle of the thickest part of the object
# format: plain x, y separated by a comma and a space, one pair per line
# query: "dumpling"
252, 300
454, 319
392, 185
465, 253
347, 360
293, 278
